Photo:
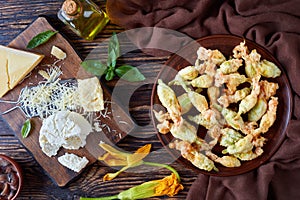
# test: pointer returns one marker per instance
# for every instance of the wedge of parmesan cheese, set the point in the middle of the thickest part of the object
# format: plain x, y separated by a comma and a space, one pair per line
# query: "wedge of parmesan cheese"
90, 94
58, 53
63, 129
15, 65
73, 161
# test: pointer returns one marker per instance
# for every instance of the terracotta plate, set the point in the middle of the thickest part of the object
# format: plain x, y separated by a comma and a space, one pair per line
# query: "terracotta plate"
225, 43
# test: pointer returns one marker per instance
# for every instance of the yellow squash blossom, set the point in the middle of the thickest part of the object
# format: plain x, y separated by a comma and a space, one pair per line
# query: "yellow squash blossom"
167, 186
114, 157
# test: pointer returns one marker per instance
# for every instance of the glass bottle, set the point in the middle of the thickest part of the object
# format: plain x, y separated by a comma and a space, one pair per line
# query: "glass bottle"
84, 17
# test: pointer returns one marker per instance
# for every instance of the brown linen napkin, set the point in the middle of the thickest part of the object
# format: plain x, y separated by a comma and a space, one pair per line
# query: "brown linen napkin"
274, 24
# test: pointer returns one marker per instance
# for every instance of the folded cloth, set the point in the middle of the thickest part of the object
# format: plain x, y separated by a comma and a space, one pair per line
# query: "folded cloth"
274, 24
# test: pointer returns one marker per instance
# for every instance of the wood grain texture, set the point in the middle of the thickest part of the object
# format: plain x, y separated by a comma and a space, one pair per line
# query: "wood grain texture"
15, 16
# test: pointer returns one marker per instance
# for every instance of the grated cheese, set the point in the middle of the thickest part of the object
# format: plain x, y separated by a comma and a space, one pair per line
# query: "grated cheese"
97, 127
49, 97
44, 74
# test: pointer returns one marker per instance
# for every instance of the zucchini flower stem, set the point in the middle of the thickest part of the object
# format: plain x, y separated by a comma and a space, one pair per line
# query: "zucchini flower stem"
165, 166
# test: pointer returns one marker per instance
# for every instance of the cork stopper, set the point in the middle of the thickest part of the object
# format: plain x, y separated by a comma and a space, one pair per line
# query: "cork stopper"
70, 7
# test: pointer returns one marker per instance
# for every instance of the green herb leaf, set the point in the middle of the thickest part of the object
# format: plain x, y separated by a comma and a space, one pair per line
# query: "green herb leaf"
125, 72
40, 38
26, 128
113, 50
129, 73
95, 67
109, 74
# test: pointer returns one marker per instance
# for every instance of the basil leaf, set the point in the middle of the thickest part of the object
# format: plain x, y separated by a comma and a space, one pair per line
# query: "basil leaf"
129, 73
26, 128
95, 67
113, 50
40, 38
109, 74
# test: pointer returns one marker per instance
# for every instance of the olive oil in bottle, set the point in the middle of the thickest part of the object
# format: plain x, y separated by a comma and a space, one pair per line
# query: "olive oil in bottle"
84, 17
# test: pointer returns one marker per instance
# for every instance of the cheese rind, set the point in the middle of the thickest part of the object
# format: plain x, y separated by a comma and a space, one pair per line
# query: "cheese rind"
73, 161
18, 64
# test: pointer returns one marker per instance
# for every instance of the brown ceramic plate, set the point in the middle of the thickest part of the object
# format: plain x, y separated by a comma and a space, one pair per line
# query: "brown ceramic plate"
225, 43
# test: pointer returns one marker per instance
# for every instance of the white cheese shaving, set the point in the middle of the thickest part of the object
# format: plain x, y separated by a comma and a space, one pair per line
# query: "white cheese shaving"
97, 127
44, 74
73, 161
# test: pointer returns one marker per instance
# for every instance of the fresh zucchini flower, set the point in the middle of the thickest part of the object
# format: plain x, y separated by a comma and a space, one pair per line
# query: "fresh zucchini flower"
167, 186
114, 157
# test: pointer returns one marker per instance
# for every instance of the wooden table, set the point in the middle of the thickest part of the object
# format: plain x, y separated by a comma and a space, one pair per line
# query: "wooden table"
15, 16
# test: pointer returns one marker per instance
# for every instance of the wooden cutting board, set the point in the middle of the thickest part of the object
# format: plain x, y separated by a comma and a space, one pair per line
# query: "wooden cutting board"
70, 67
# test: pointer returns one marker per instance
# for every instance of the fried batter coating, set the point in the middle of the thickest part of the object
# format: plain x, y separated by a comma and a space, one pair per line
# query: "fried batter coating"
232, 81
215, 56
225, 100
269, 118
240, 51
233, 119
188, 73
268, 89
249, 101
164, 126
250, 155
192, 154
213, 94
229, 137
243, 145
227, 161
184, 131
208, 118
258, 110
203, 81
251, 64
231, 66
169, 100
268, 69
198, 100
185, 103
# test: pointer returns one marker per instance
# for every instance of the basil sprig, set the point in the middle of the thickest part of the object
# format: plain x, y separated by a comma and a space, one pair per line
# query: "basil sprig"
40, 38
26, 128
126, 72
